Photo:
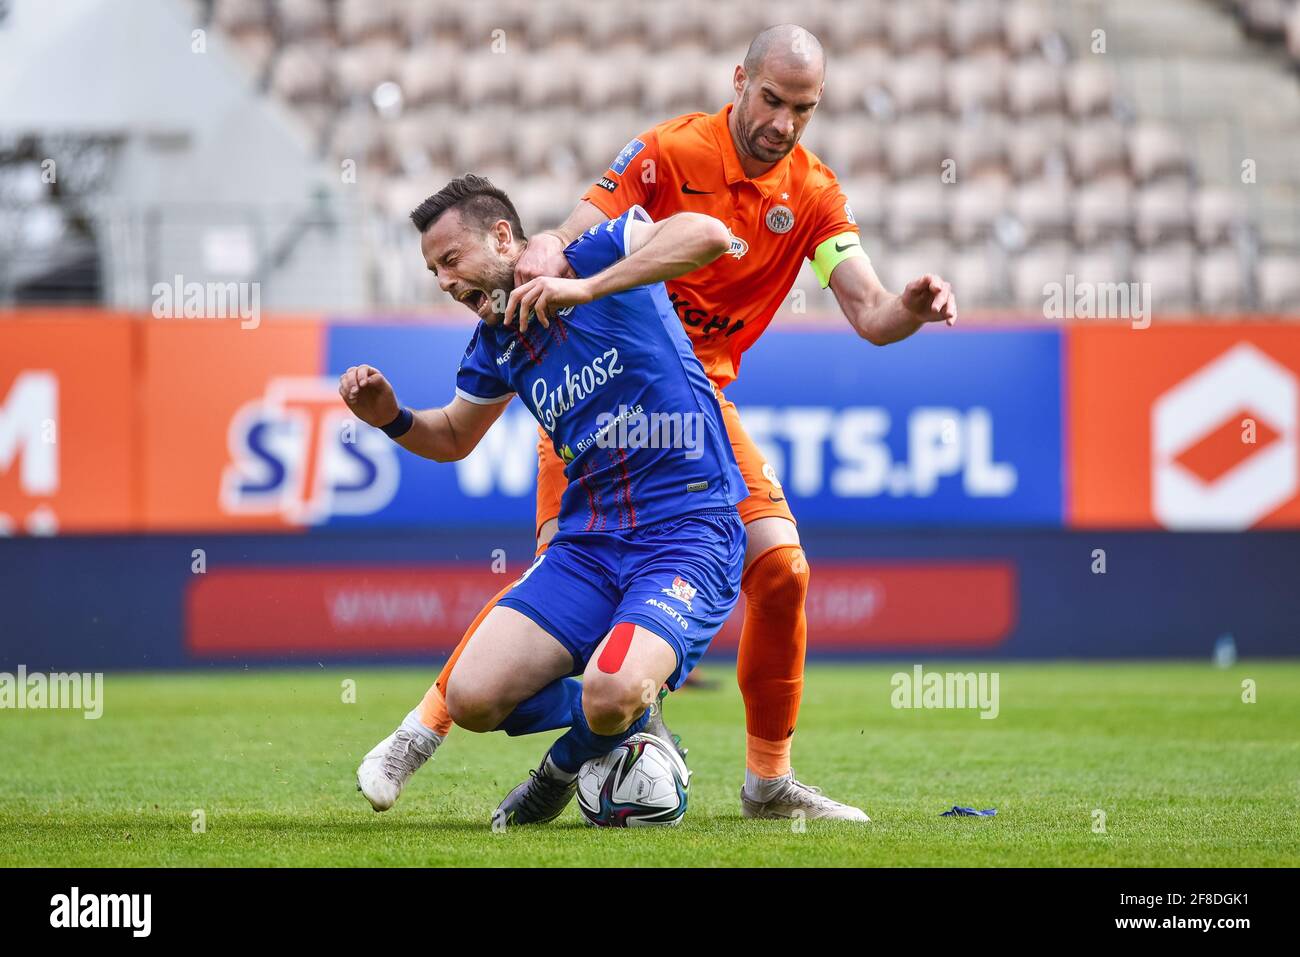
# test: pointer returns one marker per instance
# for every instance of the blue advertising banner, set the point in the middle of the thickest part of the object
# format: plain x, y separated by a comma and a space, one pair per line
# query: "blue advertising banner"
950, 427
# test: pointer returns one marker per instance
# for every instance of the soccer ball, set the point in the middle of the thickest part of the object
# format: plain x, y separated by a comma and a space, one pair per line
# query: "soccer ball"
641, 783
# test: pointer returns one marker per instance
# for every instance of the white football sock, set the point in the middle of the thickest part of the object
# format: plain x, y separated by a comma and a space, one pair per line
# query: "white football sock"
757, 788
413, 724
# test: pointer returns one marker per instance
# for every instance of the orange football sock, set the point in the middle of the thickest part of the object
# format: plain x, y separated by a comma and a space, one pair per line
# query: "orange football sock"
433, 709
769, 664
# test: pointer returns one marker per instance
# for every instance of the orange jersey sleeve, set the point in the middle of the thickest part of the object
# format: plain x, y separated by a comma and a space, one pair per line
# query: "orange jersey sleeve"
631, 179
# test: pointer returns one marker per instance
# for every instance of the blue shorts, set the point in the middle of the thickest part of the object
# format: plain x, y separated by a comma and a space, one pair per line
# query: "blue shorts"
678, 578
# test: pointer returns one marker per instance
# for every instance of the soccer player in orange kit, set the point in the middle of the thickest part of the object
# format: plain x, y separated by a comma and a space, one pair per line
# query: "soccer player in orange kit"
744, 166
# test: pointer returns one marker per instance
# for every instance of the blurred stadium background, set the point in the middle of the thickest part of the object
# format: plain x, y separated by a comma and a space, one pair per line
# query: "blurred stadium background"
176, 491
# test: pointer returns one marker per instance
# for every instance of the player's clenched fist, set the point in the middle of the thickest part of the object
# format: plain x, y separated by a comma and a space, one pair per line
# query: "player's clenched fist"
930, 299
369, 395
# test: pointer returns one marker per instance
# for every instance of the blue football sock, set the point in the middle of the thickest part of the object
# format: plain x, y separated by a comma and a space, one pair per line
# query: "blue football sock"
550, 708
580, 744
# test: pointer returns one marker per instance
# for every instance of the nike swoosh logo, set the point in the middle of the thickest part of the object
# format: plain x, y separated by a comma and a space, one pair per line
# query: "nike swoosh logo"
773, 497
840, 249
686, 188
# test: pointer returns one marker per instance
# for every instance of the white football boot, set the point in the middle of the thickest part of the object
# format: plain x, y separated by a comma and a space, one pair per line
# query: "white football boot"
784, 798
389, 765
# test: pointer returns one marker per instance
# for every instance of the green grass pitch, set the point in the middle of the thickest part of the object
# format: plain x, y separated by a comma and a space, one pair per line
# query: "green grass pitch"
1184, 771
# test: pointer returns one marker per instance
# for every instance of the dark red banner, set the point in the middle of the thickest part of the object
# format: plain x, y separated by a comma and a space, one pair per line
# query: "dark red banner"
353, 611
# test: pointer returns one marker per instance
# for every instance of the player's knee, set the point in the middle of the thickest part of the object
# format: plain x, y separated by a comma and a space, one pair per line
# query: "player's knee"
611, 702
779, 578
472, 707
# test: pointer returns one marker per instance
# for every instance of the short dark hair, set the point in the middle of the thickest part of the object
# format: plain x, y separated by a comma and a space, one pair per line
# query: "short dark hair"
480, 203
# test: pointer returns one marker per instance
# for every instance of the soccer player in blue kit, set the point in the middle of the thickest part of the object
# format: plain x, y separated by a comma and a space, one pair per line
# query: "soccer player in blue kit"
647, 562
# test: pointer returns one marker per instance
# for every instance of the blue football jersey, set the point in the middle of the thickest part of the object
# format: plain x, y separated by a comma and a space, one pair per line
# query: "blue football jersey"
616, 386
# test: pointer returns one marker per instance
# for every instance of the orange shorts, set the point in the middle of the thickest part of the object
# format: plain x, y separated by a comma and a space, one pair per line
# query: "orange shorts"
766, 497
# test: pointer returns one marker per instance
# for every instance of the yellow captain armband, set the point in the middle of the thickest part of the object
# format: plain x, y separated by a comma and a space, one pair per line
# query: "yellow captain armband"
833, 252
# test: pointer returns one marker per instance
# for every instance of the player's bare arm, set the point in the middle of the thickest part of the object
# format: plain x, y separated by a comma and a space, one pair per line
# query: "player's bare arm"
882, 317
447, 434
658, 251
545, 253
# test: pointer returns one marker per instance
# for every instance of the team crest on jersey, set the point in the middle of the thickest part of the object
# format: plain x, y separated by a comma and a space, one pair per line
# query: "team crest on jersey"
682, 590
780, 219
738, 247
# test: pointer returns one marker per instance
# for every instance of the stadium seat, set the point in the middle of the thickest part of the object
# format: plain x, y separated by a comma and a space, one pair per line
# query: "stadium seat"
1089, 89
1293, 33
975, 26
1221, 281
1102, 264
916, 83
430, 73
1036, 146
977, 278
360, 68
853, 145
979, 147
910, 262
1163, 212
488, 78
1043, 207
916, 146
1024, 25
481, 138
363, 20
621, 68
1216, 213
866, 195
1033, 270
1034, 86
301, 75
918, 25
672, 83
419, 138
976, 206
1278, 280
554, 77
1171, 272
234, 16
304, 20
977, 83
1103, 209
1097, 148
850, 77
917, 209
853, 27
1156, 150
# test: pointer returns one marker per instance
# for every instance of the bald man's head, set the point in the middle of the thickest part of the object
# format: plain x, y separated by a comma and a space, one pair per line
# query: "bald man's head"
786, 48
777, 88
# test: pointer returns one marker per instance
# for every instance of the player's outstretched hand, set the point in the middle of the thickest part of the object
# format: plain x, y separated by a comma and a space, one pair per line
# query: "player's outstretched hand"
543, 256
369, 395
931, 299
543, 297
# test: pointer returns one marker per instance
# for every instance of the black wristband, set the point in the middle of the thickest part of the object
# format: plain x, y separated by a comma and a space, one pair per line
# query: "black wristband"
400, 425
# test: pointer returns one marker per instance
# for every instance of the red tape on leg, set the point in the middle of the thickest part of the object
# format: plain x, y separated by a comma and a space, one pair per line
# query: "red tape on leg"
620, 640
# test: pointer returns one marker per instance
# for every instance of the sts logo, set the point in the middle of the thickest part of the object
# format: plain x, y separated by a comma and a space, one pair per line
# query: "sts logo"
298, 452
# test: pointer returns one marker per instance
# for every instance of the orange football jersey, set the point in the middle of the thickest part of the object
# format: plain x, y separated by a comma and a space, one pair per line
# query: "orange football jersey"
777, 220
